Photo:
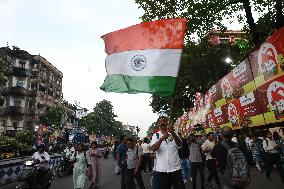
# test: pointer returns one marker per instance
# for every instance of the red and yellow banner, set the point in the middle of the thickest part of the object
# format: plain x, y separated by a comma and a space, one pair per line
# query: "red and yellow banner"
252, 94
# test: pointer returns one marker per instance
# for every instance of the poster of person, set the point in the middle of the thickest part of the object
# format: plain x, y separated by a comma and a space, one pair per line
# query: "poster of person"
250, 110
227, 89
271, 96
233, 114
212, 96
236, 83
267, 61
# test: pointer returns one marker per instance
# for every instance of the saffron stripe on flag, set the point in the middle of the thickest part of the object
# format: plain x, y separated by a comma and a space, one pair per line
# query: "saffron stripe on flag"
159, 85
150, 62
161, 34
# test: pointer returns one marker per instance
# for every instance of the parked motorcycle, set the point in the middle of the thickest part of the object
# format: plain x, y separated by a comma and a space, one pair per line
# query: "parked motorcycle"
64, 167
35, 175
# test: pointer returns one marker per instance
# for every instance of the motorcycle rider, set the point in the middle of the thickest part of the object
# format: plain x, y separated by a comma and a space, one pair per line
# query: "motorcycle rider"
41, 157
69, 150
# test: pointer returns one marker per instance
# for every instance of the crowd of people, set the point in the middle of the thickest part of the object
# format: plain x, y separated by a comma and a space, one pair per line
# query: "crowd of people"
173, 160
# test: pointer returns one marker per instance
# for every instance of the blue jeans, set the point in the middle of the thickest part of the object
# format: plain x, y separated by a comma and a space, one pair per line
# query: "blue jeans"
154, 180
185, 168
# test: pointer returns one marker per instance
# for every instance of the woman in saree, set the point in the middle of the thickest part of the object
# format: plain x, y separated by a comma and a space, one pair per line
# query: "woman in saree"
95, 172
81, 162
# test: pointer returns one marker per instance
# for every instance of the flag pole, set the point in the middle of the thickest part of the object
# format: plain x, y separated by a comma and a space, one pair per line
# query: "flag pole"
172, 108
173, 97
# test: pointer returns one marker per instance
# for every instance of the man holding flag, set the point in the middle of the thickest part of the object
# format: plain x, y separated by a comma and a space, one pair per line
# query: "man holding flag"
145, 58
166, 144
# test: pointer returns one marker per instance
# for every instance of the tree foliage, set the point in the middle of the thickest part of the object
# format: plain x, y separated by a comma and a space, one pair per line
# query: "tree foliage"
202, 63
53, 116
202, 66
26, 137
3, 70
205, 15
102, 121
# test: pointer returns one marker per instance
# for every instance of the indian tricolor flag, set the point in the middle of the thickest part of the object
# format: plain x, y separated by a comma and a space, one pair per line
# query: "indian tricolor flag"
144, 57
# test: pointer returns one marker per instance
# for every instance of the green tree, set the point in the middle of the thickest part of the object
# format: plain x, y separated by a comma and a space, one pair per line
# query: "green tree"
204, 15
202, 63
102, 120
3, 70
26, 137
53, 116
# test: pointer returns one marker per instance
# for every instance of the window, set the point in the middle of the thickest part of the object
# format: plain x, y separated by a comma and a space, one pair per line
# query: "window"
224, 41
31, 104
2, 102
22, 64
15, 125
20, 83
17, 103
35, 66
33, 85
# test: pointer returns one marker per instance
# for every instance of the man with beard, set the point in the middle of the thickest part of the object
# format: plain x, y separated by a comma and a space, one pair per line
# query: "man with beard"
166, 144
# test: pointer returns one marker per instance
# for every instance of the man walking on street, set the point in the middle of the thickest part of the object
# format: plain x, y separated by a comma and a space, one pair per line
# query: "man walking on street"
121, 159
146, 156
195, 158
166, 144
183, 153
272, 156
134, 161
207, 148
229, 149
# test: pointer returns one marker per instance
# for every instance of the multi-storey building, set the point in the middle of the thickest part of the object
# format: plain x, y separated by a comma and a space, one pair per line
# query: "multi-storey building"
32, 84
231, 36
131, 128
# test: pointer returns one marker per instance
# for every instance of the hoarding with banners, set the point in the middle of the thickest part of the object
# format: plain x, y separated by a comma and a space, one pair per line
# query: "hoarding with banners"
252, 94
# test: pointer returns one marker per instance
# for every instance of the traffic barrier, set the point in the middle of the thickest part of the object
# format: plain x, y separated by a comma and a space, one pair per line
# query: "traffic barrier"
11, 168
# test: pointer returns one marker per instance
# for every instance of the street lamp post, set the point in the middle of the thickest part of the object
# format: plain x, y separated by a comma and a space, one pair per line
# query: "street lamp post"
137, 130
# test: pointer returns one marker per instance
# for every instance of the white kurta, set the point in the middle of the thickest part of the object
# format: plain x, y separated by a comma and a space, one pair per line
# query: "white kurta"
79, 170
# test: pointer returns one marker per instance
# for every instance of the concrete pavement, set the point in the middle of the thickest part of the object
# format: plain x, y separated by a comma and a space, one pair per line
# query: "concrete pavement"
111, 181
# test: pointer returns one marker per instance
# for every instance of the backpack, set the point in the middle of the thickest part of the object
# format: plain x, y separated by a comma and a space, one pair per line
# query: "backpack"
237, 169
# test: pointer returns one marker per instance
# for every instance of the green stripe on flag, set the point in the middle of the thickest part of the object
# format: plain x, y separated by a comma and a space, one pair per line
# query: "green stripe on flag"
158, 85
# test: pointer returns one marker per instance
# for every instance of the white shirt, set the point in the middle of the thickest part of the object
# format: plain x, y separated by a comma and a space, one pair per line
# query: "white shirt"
270, 147
234, 139
146, 148
208, 145
167, 155
68, 152
133, 157
38, 156
247, 140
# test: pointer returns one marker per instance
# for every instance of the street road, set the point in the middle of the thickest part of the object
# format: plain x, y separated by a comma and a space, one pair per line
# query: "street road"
111, 181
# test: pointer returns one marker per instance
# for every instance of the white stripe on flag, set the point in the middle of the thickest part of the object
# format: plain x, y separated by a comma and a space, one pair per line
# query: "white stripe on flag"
150, 62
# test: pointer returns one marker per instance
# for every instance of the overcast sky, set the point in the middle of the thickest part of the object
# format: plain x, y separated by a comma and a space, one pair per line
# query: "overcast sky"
67, 33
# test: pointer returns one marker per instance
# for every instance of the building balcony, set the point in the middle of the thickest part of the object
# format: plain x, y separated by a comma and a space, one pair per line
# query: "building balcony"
33, 93
2, 111
2, 100
31, 111
18, 91
20, 72
16, 110
34, 74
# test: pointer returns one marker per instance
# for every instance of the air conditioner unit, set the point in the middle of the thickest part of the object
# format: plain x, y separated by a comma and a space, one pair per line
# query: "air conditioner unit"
20, 83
